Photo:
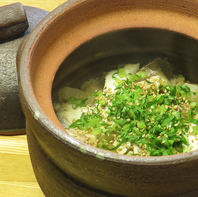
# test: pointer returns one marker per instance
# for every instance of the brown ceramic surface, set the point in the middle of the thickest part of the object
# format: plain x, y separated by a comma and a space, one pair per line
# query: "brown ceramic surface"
13, 21
54, 182
60, 33
12, 119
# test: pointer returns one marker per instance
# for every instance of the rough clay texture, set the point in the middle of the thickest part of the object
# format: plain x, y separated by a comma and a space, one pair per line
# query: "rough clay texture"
12, 119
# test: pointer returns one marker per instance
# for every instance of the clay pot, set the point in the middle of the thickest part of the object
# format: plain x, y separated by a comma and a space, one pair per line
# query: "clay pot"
77, 40
14, 20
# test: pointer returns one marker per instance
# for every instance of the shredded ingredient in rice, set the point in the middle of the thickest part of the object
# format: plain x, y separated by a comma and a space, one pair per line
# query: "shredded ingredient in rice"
133, 111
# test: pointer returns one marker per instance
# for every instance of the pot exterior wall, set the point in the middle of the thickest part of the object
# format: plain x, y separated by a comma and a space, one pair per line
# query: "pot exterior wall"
126, 179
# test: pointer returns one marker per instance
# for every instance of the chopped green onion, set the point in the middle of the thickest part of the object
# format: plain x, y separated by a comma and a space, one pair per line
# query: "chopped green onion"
141, 125
121, 72
162, 109
133, 77
142, 74
96, 131
154, 121
195, 130
77, 102
186, 149
193, 105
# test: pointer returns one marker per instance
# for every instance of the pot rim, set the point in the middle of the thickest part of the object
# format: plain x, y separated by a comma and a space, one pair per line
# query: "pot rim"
38, 114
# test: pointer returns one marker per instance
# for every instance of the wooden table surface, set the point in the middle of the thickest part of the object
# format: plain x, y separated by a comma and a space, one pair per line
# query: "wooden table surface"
16, 174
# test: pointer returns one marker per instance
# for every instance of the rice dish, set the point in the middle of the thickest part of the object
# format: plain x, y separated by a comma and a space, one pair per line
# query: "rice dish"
144, 111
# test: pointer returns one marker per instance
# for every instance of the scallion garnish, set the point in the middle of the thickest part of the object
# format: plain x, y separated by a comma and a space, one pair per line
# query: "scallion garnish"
156, 118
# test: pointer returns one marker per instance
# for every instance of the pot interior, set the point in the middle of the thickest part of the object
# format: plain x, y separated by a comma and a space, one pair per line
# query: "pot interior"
136, 45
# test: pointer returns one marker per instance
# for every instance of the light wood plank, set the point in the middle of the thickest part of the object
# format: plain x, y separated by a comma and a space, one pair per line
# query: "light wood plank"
15, 162
16, 174
22, 189
48, 5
